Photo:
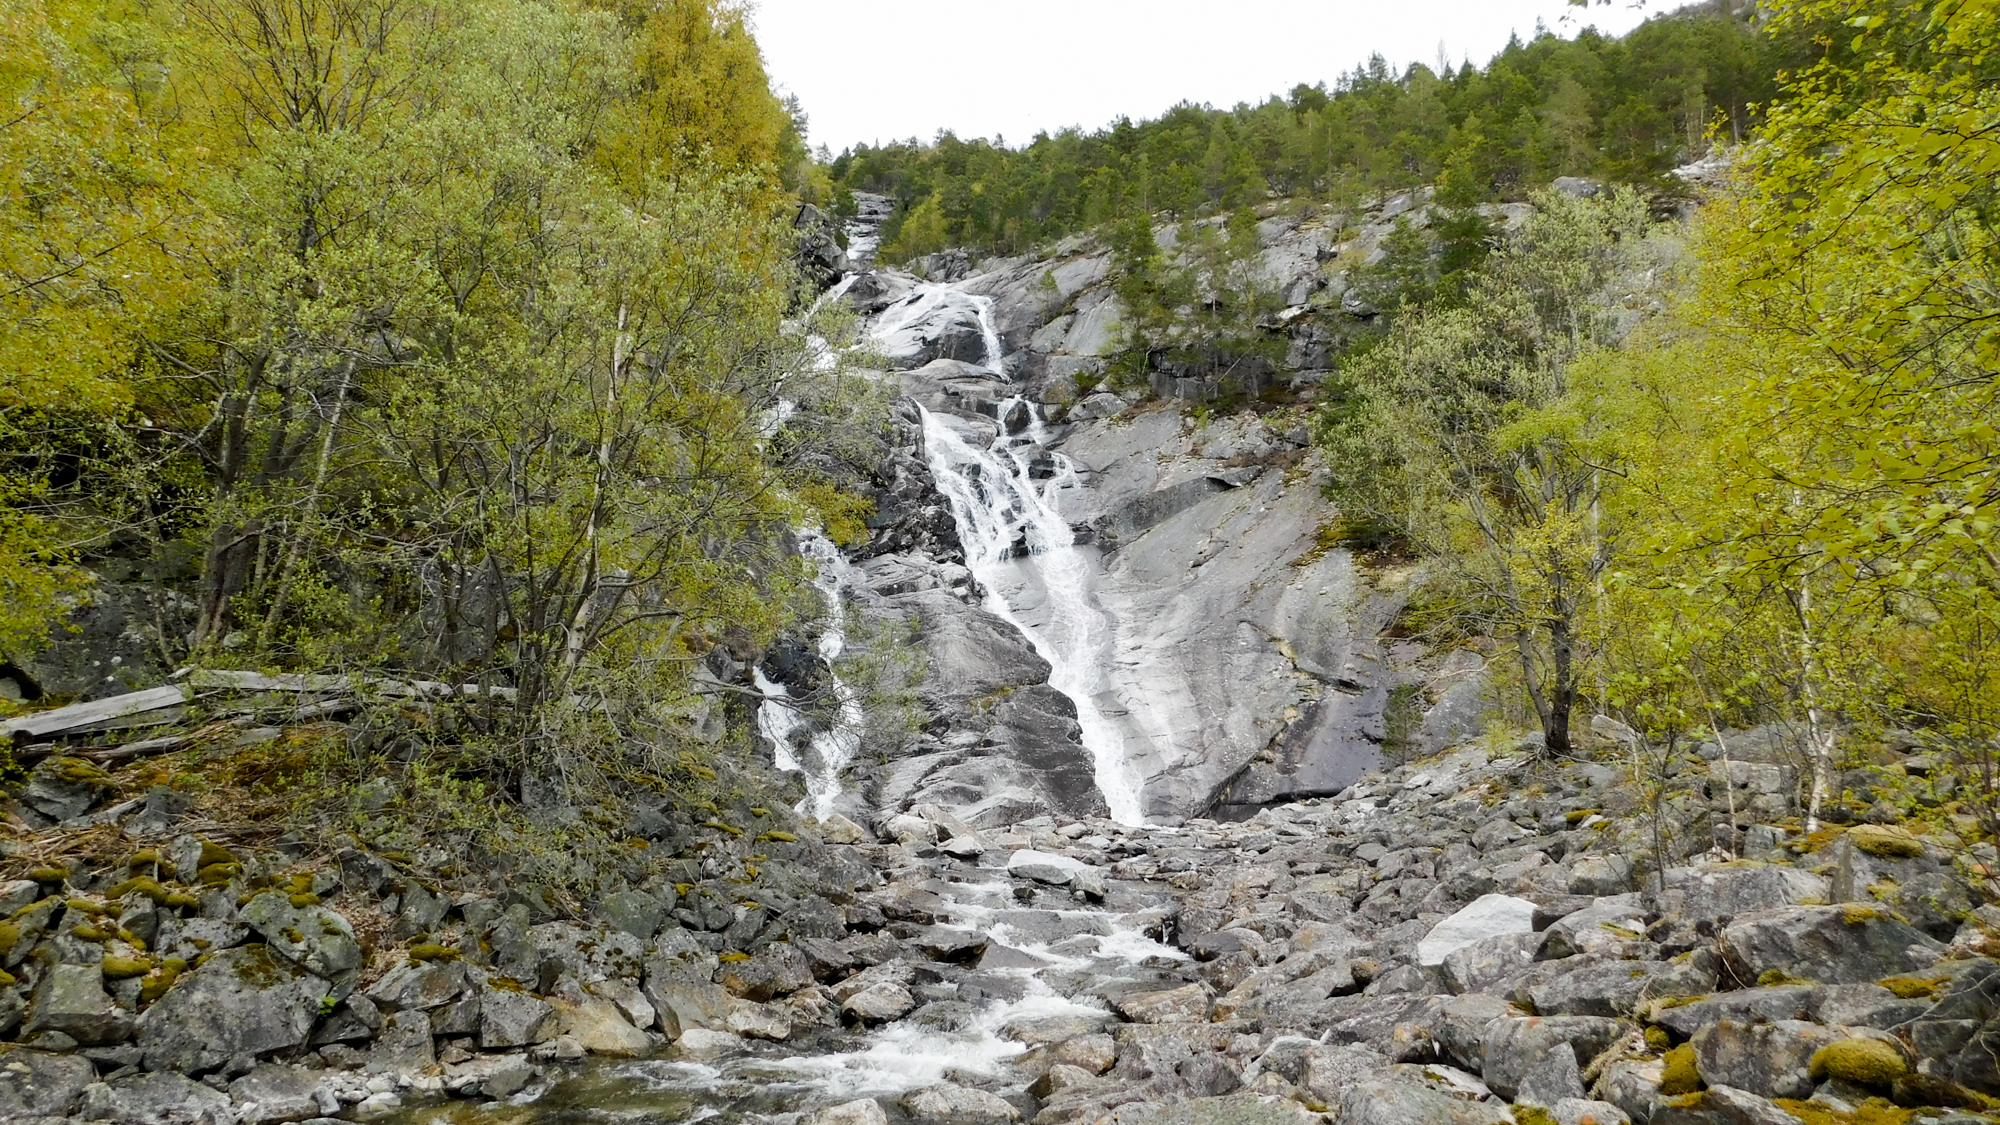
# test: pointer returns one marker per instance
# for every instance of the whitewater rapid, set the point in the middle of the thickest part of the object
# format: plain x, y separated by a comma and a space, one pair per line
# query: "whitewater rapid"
998, 503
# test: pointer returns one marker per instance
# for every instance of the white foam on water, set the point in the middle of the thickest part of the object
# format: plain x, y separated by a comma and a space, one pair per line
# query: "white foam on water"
796, 748
995, 500
903, 1056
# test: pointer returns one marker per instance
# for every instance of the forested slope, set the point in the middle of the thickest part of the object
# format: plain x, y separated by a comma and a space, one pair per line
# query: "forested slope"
1626, 109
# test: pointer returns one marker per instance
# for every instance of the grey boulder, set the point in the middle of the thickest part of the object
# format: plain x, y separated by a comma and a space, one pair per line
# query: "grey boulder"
1387, 1101
866, 1111
71, 999
1850, 944
274, 1093
39, 1084
1619, 988
318, 940
946, 1104
242, 1001
1514, 1047
1772, 1060
156, 1099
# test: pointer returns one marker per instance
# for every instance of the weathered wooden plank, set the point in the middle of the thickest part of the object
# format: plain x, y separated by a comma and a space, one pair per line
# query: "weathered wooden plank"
136, 708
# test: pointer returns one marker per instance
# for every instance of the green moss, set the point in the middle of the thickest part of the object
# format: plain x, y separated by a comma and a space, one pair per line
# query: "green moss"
212, 854
7, 979
181, 900
1578, 816
143, 885
716, 824
304, 900
780, 837
1771, 978
1874, 1111
88, 932
1885, 841
49, 873
1677, 1001
219, 874
119, 968
161, 978
734, 957
1658, 1039
1533, 1115
1855, 914
88, 906
1680, 1075
431, 951
1915, 987
1866, 1062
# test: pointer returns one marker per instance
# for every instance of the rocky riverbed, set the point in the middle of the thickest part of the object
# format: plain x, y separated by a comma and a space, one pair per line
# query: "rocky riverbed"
1461, 941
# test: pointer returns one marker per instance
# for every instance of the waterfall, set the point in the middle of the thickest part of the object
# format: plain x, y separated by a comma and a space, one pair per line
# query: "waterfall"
997, 503
826, 753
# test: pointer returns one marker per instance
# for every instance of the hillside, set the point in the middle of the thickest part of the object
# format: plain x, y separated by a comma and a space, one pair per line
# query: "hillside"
1443, 598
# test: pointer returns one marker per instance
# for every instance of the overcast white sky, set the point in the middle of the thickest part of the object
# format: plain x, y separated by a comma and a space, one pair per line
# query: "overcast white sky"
881, 70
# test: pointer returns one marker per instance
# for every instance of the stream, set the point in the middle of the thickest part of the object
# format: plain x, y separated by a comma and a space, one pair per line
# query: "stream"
1040, 962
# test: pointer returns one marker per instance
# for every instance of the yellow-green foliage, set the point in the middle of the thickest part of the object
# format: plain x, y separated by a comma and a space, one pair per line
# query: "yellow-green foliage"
1658, 1039
49, 873
1533, 1115
1680, 1075
1771, 977
1867, 1062
431, 951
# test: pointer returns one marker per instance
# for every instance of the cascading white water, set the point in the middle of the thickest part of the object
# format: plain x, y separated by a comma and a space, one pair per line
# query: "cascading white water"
996, 502
824, 753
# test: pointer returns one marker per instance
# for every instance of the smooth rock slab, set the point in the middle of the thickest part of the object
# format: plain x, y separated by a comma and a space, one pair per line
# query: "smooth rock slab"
946, 1104
1488, 916
243, 1001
